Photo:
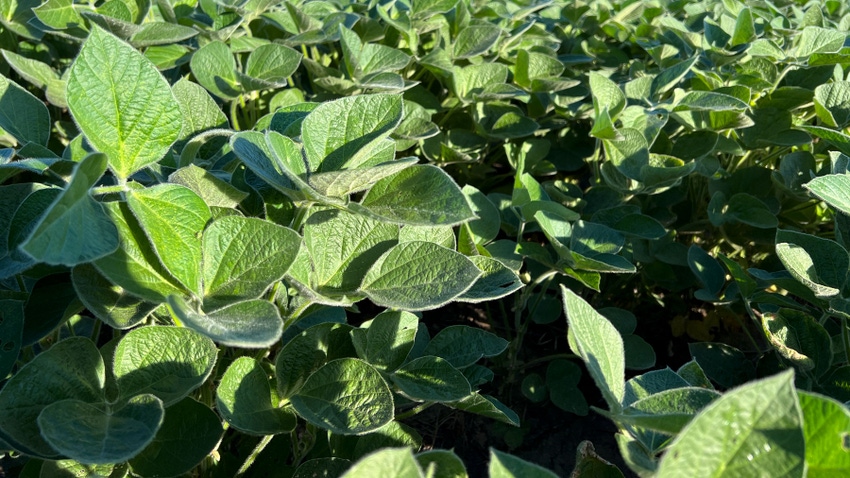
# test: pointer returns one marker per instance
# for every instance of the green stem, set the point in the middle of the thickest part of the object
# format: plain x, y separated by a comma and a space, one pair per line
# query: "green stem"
100, 190
413, 411
539, 360
253, 456
845, 338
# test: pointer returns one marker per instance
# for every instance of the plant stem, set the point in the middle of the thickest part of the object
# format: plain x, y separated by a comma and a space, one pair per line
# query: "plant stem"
547, 358
413, 411
845, 338
253, 456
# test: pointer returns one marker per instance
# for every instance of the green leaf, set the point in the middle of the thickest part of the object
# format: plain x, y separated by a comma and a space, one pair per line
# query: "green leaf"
363, 59
396, 462
255, 152
242, 257
832, 189
161, 33
59, 14
487, 226
349, 181
709, 101
754, 430
745, 30
189, 432
272, 63
340, 134
820, 264
387, 340
667, 411
344, 246
588, 463
215, 69
308, 351
71, 469
420, 195
706, 269
462, 345
496, 281
345, 396
108, 302
328, 466
723, 363
246, 400
826, 424
15, 16
799, 338
418, 276
70, 369
832, 103
214, 191
606, 95
599, 345
200, 111
134, 127
486, 406
135, 266
446, 464
173, 218
475, 40
671, 76
431, 379
99, 434
23, 115
75, 229
167, 362
503, 465
562, 379
472, 80
252, 324
819, 40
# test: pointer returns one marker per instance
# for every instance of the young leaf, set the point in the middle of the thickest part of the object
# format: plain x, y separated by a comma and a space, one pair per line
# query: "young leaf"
245, 399
431, 379
189, 432
346, 396
503, 465
11, 328
99, 434
242, 257
75, 229
135, 126
418, 276
23, 115
765, 436
253, 324
70, 369
335, 132
173, 217
419, 195
363, 59
486, 406
475, 40
167, 362
134, 266
108, 302
272, 63
599, 345
215, 68
446, 463
200, 111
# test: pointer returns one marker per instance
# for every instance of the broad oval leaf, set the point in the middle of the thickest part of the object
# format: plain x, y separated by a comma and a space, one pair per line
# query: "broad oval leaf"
135, 126
335, 132
462, 345
215, 68
396, 462
475, 40
754, 430
418, 276
496, 281
308, 351
253, 324
431, 379
71, 369
97, 434
173, 217
826, 424
189, 432
244, 256
820, 264
834, 189
503, 465
167, 362
108, 302
345, 396
246, 400
387, 340
420, 195
75, 229
599, 345
272, 63
23, 115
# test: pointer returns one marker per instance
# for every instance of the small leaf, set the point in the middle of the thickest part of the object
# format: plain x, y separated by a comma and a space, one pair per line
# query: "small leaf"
250, 324
765, 436
246, 400
97, 434
418, 276
346, 396
215, 69
431, 379
75, 229
420, 195
173, 217
387, 340
167, 362
475, 40
486, 406
504, 465
599, 345
496, 281
446, 463
396, 462
272, 63
134, 127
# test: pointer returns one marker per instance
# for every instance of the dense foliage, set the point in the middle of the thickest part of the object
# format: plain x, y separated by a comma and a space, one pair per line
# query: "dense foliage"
227, 227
